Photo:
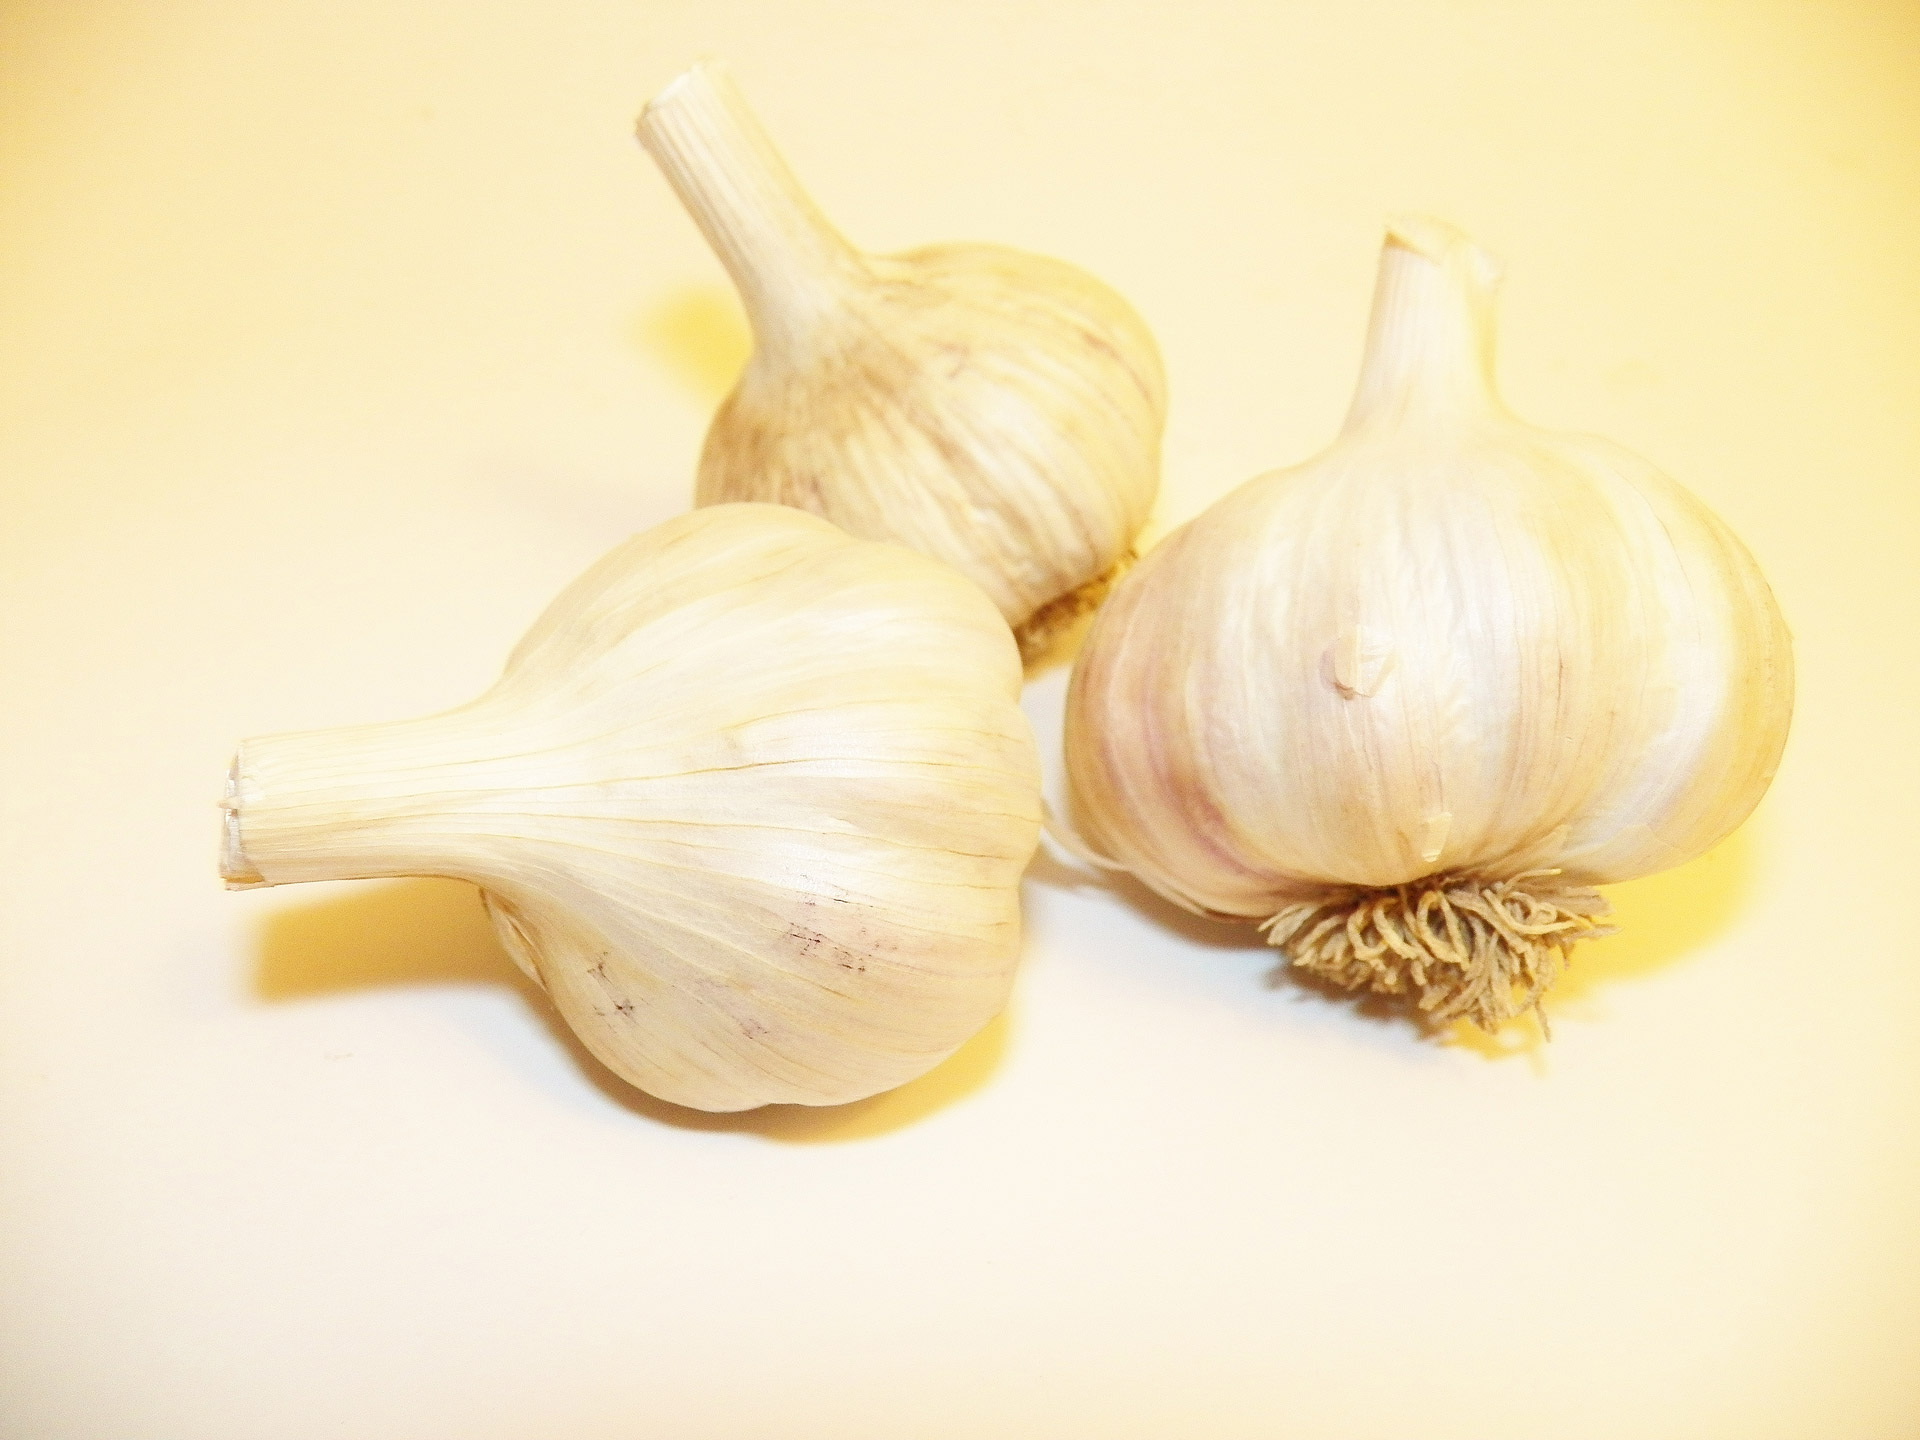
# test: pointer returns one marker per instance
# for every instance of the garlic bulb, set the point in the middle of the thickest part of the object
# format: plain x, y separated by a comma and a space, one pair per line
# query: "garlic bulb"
997, 410
751, 801
1408, 702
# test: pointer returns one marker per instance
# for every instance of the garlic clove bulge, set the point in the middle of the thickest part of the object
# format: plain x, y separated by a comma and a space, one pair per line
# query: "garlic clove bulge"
997, 410
751, 801
1409, 702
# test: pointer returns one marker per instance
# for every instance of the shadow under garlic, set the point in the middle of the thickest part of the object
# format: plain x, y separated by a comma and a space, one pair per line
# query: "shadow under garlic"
699, 335
1658, 920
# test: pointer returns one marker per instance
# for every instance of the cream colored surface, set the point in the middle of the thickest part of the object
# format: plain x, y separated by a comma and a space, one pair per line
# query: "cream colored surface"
337, 338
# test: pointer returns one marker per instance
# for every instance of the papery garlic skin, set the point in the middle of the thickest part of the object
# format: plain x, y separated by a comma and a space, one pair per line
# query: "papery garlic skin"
997, 410
751, 801
1450, 652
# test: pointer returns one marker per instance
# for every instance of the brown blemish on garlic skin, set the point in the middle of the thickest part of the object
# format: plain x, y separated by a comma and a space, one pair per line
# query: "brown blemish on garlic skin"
622, 1003
812, 942
1039, 630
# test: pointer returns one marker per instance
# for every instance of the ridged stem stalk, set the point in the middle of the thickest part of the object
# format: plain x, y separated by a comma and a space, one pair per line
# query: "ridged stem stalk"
788, 262
1429, 353
346, 804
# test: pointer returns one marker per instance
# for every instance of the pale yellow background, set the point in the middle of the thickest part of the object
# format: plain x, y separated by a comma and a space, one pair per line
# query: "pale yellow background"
338, 336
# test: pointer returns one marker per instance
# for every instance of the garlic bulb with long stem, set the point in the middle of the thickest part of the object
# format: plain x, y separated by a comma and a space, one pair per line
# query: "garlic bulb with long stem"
997, 410
751, 801
1408, 703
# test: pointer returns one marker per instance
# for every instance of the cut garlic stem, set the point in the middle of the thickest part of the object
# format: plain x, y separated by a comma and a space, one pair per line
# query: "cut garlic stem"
347, 804
790, 264
1429, 352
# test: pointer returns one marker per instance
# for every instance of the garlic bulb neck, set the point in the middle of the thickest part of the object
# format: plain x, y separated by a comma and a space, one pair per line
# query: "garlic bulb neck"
346, 804
790, 264
1429, 352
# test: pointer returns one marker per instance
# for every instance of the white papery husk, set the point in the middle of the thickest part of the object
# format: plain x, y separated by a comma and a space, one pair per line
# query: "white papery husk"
1408, 702
998, 410
751, 801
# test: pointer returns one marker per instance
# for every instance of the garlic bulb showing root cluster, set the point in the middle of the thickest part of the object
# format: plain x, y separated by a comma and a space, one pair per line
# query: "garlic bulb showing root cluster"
996, 410
751, 801
1408, 702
